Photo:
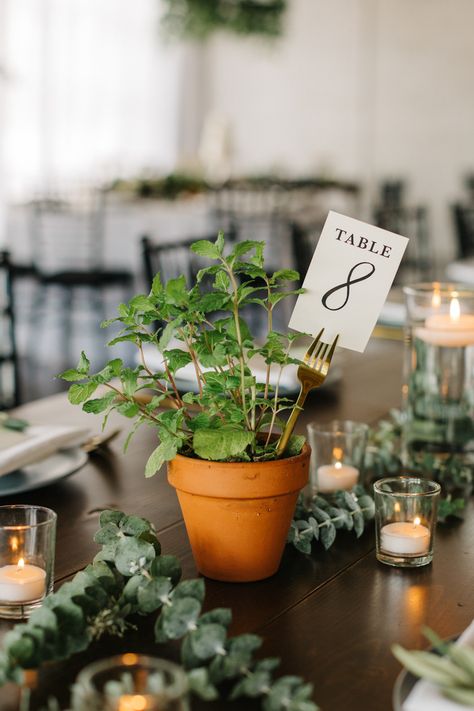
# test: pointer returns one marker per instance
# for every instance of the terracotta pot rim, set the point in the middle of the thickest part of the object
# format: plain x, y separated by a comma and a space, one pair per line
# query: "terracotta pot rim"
239, 480
266, 462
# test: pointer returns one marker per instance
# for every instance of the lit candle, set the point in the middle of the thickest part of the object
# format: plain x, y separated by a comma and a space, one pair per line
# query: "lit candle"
333, 477
22, 582
136, 702
451, 330
405, 538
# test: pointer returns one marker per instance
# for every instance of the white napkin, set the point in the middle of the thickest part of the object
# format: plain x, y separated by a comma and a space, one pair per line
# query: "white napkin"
425, 696
17, 449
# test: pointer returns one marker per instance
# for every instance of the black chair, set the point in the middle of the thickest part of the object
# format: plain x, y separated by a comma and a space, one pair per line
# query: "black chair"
412, 222
67, 248
463, 215
172, 259
304, 238
9, 378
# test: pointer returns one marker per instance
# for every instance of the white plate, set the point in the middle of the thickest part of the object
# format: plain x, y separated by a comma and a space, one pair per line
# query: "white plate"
34, 476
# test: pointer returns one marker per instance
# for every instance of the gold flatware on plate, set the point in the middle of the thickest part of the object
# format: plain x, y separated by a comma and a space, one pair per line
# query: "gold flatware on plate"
311, 374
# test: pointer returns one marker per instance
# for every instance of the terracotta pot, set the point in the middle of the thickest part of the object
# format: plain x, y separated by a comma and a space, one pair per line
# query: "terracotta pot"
238, 514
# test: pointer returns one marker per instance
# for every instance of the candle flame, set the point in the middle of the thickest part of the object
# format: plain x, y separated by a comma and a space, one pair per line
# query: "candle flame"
337, 454
454, 308
417, 521
436, 298
338, 465
129, 659
14, 544
396, 507
132, 703
21, 564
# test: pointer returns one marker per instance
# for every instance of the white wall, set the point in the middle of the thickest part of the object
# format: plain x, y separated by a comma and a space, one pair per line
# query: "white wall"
363, 89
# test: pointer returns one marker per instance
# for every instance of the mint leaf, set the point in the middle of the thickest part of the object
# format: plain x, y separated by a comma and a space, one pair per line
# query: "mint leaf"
295, 445
163, 453
79, 393
224, 443
205, 248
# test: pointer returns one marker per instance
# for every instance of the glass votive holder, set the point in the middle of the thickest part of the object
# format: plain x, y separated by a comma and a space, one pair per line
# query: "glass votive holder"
27, 548
406, 511
131, 682
438, 388
337, 454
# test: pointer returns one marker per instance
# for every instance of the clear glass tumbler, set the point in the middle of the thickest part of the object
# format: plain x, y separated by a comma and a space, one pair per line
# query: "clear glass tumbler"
27, 549
337, 454
438, 390
131, 682
405, 520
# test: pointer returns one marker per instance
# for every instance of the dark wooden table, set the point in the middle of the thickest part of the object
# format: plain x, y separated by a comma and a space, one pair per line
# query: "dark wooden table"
332, 616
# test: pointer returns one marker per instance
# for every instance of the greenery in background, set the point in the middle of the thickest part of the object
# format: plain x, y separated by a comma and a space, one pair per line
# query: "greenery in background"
383, 458
129, 577
232, 416
450, 666
169, 187
176, 185
198, 19
321, 517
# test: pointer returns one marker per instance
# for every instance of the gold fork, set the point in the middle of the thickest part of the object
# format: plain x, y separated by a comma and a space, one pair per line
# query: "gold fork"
311, 374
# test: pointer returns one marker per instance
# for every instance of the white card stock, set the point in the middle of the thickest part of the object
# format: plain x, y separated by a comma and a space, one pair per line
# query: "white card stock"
348, 280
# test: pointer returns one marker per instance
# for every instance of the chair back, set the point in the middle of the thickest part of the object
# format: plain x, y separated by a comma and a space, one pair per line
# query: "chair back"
67, 236
173, 259
412, 222
464, 228
8, 352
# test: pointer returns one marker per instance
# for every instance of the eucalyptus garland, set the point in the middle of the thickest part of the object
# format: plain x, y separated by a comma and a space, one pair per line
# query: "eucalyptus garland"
319, 519
129, 577
384, 458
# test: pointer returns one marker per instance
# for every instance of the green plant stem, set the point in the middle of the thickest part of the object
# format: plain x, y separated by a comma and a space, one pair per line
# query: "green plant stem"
199, 374
275, 401
235, 311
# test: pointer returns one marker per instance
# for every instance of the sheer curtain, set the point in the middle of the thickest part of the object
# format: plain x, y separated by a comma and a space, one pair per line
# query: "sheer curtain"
91, 92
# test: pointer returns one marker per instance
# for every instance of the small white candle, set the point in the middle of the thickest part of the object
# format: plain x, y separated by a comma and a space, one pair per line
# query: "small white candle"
405, 538
450, 330
22, 582
333, 477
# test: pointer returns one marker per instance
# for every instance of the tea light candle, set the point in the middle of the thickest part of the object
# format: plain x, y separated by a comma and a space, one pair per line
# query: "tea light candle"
22, 582
405, 538
332, 477
136, 702
450, 330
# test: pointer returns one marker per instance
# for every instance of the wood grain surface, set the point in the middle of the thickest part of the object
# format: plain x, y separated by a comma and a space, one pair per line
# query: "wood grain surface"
331, 617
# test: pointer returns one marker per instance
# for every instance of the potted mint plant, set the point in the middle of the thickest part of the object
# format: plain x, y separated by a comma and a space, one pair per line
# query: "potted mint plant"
218, 439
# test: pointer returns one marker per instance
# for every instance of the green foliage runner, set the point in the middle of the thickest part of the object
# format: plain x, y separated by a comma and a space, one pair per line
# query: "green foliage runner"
321, 518
130, 576
383, 458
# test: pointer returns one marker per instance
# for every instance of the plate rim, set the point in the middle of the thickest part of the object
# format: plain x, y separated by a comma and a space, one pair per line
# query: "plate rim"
81, 460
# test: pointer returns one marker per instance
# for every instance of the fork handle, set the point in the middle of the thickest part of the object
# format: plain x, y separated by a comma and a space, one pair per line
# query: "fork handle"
290, 425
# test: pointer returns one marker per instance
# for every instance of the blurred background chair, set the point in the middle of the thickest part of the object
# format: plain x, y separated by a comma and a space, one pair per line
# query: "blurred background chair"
9, 379
463, 216
463, 219
173, 259
393, 213
68, 263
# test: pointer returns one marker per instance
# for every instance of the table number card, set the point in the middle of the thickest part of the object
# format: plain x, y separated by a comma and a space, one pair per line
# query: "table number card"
348, 280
